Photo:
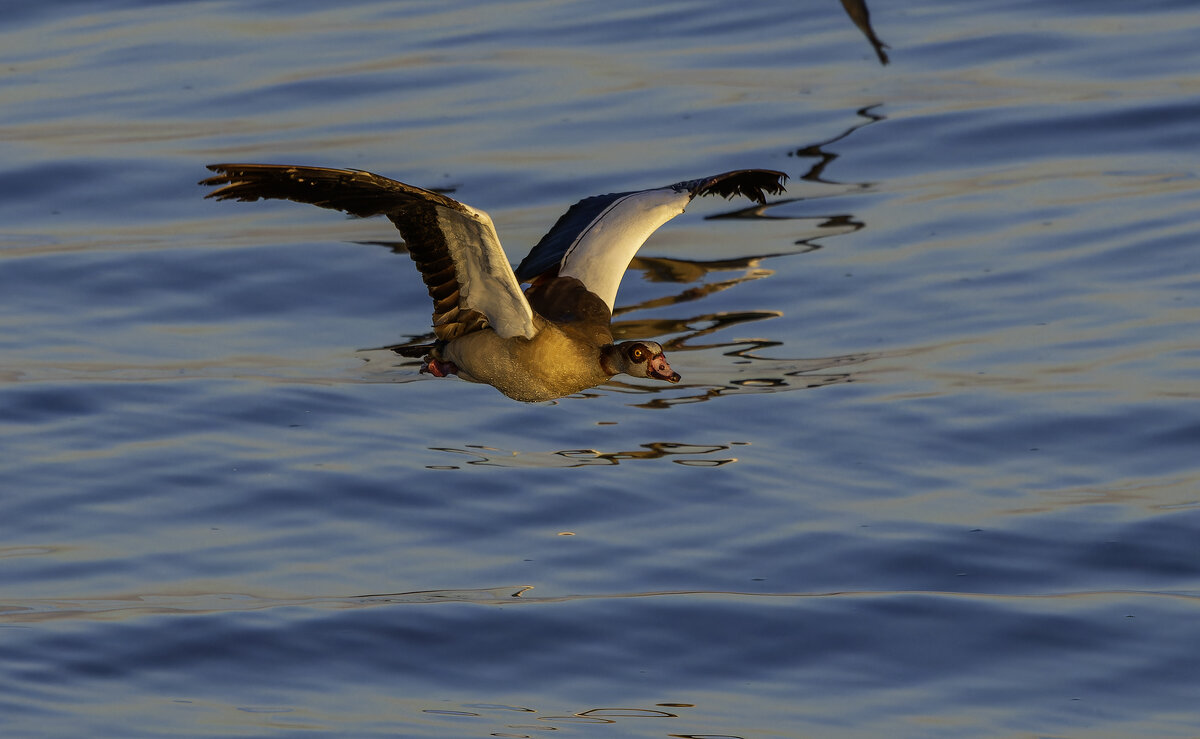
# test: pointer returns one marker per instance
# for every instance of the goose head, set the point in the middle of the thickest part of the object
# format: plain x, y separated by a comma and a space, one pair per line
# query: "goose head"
639, 359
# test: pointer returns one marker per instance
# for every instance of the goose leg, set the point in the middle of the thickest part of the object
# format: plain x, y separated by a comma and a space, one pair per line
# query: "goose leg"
438, 367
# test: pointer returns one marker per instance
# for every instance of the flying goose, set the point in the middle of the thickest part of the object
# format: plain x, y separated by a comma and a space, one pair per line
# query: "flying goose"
554, 338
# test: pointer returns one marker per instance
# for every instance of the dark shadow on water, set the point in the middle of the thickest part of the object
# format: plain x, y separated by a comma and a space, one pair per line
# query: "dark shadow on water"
824, 157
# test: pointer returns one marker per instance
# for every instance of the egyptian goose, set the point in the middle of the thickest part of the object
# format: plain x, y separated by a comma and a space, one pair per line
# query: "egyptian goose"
555, 338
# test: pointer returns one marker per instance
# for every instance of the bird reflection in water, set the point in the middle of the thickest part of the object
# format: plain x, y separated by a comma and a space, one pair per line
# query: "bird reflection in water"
688, 455
517, 718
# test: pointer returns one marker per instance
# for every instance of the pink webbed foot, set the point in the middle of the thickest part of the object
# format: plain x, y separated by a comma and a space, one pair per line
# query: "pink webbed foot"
438, 368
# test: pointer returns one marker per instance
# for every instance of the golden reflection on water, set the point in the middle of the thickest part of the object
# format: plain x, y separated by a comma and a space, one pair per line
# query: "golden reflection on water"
1152, 495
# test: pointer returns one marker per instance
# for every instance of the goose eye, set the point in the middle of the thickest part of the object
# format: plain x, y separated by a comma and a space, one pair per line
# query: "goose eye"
638, 354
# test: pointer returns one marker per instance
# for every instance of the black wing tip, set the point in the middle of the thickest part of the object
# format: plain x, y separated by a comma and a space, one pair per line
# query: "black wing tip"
235, 170
354, 191
247, 182
234, 181
754, 184
227, 188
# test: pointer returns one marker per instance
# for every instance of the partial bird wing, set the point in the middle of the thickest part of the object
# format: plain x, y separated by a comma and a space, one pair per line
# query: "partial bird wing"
454, 246
595, 240
858, 12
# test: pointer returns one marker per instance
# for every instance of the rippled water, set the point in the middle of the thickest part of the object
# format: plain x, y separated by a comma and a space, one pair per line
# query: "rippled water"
934, 468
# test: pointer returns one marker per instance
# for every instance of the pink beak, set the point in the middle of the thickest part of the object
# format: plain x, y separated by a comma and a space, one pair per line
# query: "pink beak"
660, 370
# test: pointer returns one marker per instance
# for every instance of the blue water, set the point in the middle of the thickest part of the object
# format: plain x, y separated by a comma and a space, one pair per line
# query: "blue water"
933, 469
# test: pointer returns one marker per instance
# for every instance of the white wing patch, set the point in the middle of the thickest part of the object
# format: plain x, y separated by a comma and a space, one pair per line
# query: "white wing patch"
485, 278
603, 250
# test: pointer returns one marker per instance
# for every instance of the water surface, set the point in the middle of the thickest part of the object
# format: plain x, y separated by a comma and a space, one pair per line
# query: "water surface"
932, 470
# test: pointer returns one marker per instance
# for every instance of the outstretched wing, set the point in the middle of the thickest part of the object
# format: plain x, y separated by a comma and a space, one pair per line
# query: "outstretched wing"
454, 246
595, 240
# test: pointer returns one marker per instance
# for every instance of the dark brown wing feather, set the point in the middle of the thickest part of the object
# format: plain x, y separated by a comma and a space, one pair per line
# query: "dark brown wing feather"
414, 210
